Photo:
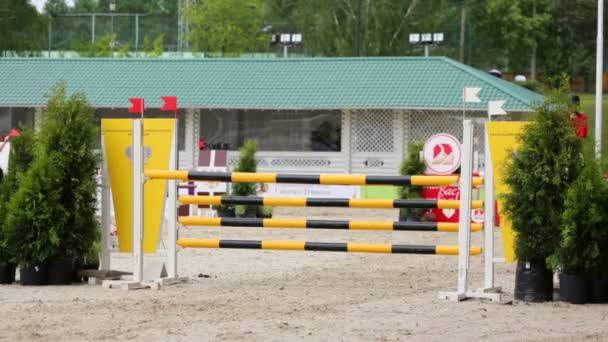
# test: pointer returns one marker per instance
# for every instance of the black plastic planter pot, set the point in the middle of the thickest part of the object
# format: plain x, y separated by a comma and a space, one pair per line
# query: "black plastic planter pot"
221, 212
573, 288
7, 274
61, 270
533, 281
34, 275
597, 288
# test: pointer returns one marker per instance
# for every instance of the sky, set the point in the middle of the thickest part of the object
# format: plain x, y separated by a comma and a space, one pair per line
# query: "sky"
40, 4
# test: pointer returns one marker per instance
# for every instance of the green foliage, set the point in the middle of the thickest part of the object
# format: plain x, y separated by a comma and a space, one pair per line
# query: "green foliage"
247, 163
412, 165
101, 48
55, 7
230, 27
22, 29
92, 255
34, 212
329, 27
124, 51
584, 238
531, 85
147, 46
154, 48
547, 162
53, 213
265, 212
159, 45
20, 159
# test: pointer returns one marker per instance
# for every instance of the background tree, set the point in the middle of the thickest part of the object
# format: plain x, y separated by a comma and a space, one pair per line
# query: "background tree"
22, 29
230, 27
55, 7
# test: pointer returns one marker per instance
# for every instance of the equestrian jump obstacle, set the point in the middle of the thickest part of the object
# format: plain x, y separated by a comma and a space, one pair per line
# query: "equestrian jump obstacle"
313, 202
464, 227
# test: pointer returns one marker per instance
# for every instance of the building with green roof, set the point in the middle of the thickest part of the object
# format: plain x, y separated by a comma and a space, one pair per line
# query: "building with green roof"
332, 115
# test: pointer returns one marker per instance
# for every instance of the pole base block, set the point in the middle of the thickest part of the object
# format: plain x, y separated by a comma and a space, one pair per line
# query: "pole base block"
495, 289
457, 297
160, 282
125, 285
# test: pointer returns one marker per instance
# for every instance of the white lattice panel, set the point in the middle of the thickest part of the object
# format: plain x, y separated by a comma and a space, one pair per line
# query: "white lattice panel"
294, 162
376, 141
373, 131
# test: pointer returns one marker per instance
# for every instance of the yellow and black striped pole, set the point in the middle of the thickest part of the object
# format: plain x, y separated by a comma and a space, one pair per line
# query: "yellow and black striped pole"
328, 179
324, 202
324, 246
323, 224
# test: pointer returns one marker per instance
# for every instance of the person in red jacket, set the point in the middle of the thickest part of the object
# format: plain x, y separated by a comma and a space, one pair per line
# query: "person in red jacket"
579, 119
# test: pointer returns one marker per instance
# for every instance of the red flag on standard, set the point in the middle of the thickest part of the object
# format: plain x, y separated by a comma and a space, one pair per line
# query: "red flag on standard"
137, 105
170, 104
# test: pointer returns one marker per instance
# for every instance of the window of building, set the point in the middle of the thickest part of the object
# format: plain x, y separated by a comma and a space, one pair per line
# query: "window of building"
152, 113
272, 130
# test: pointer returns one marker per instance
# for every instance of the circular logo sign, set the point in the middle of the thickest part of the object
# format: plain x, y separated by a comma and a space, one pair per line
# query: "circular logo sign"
442, 154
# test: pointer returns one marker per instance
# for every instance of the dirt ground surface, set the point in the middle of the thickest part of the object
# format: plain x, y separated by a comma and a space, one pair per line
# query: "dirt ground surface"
252, 295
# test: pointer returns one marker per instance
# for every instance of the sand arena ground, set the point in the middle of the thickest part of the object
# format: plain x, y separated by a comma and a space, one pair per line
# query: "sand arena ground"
251, 295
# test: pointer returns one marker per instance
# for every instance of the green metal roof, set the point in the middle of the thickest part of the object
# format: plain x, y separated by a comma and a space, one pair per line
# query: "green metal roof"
311, 83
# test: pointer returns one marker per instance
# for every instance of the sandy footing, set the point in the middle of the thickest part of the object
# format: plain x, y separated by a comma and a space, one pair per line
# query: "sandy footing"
252, 295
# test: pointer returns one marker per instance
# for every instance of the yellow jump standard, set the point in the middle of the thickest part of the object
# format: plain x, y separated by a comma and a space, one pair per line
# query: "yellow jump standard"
325, 202
334, 179
323, 224
323, 246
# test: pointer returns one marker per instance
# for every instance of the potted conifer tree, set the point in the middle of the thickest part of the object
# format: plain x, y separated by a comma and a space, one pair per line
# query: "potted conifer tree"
53, 213
412, 165
581, 255
539, 174
20, 158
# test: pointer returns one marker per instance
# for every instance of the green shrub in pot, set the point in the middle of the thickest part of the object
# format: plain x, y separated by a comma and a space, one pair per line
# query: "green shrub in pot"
582, 251
54, 209
539, 174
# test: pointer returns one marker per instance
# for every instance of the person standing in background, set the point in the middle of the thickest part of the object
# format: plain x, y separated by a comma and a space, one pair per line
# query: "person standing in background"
579, 119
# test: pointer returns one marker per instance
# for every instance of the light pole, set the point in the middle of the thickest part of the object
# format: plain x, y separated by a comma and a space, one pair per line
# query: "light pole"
286, 40
599, 73
112, 41
426, 39
358, 30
